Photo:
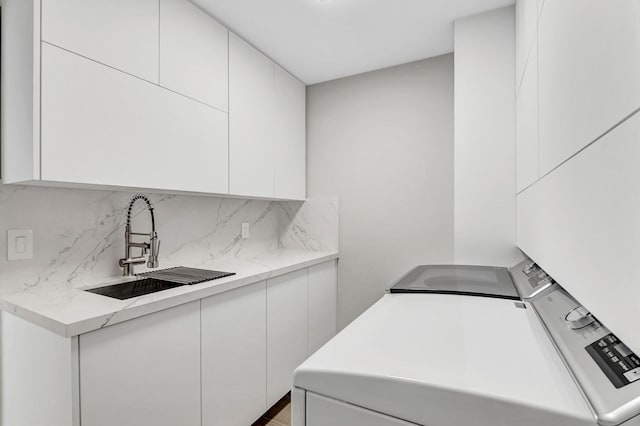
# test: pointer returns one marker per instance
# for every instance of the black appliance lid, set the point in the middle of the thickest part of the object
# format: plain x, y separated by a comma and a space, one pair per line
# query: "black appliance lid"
487, 281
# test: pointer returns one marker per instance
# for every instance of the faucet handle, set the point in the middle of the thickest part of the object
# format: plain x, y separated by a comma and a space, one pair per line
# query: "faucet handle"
153, 256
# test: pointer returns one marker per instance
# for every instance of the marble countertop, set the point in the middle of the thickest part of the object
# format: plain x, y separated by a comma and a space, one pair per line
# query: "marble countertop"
70, 311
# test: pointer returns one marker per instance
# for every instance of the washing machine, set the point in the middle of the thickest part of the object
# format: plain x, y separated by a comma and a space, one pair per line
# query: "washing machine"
471, 345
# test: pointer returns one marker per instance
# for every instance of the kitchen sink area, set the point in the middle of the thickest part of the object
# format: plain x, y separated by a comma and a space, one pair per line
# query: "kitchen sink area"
135, 288
155, 281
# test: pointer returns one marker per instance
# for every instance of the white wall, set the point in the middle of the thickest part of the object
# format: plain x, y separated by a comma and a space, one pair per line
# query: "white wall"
484, 154
383, 143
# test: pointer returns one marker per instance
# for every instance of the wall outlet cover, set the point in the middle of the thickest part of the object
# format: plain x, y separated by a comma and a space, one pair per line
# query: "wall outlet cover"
19, 244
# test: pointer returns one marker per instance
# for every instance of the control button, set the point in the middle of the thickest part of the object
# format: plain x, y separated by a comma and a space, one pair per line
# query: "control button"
635, 360
623, 365
602, 344
545, 281
615, 359
610, 354
633, 375
528, 268
606, 350
611, 339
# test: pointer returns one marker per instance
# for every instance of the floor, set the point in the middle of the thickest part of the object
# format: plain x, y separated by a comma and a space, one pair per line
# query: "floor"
278, 415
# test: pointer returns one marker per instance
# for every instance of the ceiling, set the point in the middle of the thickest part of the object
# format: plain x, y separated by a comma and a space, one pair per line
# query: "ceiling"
320, 40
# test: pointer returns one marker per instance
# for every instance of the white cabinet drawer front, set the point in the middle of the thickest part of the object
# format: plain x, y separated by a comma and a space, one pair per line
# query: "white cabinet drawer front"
101, 126
233, 356
120, 33
286, 331
193, 53
251, 114
589, 62
322, 304
143, 372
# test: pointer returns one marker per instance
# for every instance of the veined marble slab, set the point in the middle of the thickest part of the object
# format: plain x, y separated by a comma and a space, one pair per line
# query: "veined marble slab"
79, 237
70, 311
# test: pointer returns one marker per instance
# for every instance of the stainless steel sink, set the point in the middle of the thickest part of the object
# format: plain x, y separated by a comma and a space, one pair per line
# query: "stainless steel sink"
154, 281
129, 289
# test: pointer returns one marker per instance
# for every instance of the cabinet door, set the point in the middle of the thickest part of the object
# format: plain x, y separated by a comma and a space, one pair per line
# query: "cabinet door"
589, 63
101, 126
251, 102
527, 126
290, 134
581, 223
193, 53
120, 33
233, 356
143, 372
286, 331
526, 28
323, 287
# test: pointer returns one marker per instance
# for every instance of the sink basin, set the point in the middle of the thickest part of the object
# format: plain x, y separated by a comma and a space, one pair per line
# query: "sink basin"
154, 281
135, 288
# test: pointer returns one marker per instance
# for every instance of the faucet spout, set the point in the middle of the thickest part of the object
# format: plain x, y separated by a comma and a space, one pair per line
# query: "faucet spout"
153, 245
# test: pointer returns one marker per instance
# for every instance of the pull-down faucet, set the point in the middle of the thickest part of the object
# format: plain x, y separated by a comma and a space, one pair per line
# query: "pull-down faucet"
154, 244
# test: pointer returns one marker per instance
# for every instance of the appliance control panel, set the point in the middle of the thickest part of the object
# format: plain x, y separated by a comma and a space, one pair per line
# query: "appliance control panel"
536, 275
605, 369
616, 360
530, 279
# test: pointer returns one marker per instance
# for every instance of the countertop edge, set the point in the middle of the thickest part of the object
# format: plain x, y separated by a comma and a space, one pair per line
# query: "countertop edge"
87, 325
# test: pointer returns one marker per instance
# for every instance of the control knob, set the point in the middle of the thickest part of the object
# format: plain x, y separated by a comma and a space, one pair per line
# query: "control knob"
579, 317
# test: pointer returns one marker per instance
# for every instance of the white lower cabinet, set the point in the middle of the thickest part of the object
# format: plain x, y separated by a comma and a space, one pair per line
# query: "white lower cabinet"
322, 305
233, 356
219, 361
143, 372
286, 331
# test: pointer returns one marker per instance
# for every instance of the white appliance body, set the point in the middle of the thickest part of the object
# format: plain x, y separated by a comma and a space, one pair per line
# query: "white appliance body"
439, 360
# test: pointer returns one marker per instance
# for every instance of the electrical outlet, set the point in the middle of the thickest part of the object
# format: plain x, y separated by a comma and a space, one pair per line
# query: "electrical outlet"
19, 244
245, 230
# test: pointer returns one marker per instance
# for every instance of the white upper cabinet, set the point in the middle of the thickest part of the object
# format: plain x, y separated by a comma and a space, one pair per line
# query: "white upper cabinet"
290, 133
122, 34
251, 124
526, 27
527, 126
266, 126
145, 94
136, 135
589, 63
193, 53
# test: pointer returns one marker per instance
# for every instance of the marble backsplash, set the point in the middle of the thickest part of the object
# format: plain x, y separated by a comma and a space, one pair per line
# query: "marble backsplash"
79, 234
